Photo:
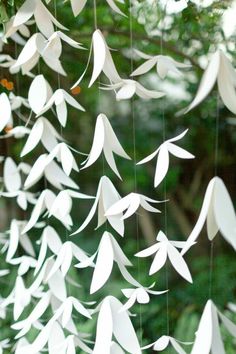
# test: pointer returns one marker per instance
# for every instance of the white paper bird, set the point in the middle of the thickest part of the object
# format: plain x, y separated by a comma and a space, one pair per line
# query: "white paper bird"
106, 196
163, 64
208, 337
103, 62
164, 249
131, 203
108, 324
221, 70
60, 98
218, 211
163, 152
105, 140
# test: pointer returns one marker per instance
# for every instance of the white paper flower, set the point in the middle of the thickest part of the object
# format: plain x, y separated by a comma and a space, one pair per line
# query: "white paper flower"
60, 98
43, 18
218, 211
163, 64
131, 203
105, 140
78, 5
108, 323
208, 336
164, 341
164, 249
163, 152
221, 70
106, 196
103, 62
5, 111
139, 295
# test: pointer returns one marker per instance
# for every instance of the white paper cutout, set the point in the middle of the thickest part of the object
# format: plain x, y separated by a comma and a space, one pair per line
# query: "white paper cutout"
78, 5
45, 165
164, 341
39, 93
109, 318
208, 337
218, 210
139, 295
30, 54
131, 203
164, 249
103, 62
106, 196
163, 64
105, 140
60, 98
221, 70
5, 111
42, 130
43, 18
163, 152
108, 252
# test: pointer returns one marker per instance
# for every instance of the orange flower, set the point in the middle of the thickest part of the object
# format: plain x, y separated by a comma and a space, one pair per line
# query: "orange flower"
4, 82
10, 86
76, 90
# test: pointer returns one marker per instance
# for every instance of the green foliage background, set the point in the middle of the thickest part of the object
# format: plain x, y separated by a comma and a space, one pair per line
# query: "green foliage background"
190, 36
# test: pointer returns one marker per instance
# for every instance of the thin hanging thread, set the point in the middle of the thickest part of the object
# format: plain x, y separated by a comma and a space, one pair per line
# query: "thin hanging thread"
216, 149
135, 159
164, 187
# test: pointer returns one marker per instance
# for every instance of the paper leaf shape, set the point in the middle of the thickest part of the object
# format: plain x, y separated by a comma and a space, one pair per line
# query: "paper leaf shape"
131, 203
208, 337
42, 130
105, 197
164, 249
5, 111
221, 70
218, 210
163, 64
164, 341
109, 319
163, 152
60, 98
39, 93
105, 140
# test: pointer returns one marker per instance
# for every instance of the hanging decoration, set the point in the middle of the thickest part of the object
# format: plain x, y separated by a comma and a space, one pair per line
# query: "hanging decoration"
43, 312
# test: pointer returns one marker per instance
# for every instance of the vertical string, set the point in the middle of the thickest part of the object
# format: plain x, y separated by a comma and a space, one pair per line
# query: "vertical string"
216, 153
135, 159
164, 182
